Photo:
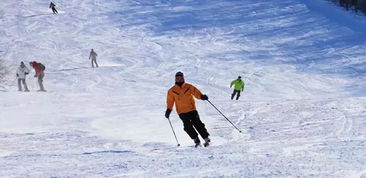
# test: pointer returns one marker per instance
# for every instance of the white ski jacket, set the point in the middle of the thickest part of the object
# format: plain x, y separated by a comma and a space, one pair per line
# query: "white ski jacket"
22, 72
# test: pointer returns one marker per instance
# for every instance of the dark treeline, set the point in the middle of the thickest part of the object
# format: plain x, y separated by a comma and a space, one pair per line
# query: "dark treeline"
354, 5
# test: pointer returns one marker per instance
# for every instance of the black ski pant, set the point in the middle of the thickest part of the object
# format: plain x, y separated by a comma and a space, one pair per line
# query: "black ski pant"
234, 93
94, 61
54, 10
191, 121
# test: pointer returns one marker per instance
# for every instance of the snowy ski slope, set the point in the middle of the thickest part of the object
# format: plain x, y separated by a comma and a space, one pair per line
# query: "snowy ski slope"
302, 112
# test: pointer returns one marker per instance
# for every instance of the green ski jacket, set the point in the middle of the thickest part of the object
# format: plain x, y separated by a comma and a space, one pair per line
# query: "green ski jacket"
238, 84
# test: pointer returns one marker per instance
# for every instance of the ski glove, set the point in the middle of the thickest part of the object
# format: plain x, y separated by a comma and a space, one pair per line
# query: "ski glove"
204, 97
17, 75
167, 113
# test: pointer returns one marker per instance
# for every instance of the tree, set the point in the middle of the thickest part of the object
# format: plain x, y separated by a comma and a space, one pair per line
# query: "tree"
362, 6
356, 5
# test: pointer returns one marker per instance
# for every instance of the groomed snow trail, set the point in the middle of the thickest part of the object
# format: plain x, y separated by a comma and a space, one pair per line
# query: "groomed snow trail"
302, 112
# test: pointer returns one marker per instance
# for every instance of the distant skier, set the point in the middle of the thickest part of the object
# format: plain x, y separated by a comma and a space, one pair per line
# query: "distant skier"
238, 86
21, 74
53, 7
39, 69
181, 94
93, 56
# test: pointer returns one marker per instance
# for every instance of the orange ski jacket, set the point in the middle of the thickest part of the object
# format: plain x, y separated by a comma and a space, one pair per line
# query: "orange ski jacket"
183, 98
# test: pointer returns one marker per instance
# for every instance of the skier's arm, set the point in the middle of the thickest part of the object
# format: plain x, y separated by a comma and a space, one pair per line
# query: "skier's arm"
242, 87
170, 104
196, 93
170, 100
232, 83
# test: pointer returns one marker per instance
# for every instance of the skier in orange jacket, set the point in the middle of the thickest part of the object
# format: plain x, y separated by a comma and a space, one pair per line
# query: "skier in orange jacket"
181, 94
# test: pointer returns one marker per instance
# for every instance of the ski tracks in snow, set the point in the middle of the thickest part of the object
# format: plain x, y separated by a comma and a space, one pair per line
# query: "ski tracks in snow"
291, 120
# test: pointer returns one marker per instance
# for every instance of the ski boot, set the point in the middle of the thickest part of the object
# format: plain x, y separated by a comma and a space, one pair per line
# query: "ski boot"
197, 142
207, 142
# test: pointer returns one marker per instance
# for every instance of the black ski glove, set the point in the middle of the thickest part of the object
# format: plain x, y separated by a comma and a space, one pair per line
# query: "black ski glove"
204, 97
167, 113
17, 75
26, 73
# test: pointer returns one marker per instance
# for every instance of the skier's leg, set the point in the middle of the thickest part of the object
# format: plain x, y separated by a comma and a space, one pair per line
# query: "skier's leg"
25, 85
96, 64
238, 95
19, 85
232, 95
185, 117
235, 92
92, 63
199, 125
40, 82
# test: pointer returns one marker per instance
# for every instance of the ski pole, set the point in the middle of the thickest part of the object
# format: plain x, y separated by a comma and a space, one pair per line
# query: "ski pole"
224, 116
173, 132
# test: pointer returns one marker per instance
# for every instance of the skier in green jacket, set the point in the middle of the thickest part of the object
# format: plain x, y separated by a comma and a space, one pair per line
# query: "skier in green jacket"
238, 86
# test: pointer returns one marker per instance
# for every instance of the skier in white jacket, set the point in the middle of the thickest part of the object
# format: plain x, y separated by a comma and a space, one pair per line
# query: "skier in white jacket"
21, 74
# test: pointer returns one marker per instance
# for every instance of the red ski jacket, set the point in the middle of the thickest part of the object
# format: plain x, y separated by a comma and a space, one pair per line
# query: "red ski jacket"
37, 68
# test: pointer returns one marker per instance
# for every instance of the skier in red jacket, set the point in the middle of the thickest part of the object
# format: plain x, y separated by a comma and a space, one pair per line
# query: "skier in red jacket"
39, 68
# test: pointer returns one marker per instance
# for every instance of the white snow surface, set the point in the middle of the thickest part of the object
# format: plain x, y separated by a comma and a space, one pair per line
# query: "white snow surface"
302, 112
